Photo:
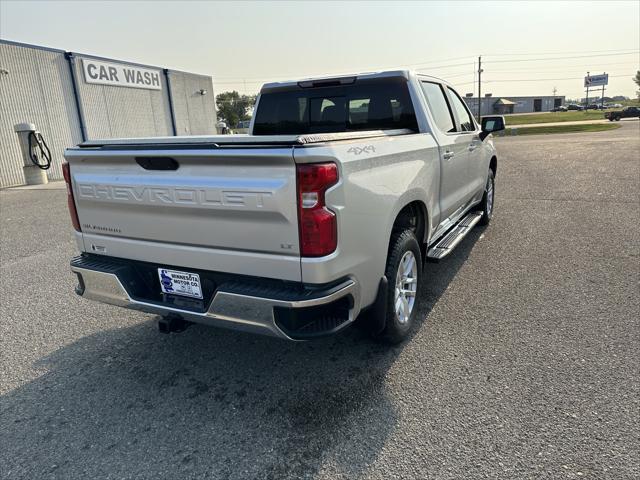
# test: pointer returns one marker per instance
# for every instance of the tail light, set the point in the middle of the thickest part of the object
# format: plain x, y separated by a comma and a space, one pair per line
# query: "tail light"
317, 224
72, 205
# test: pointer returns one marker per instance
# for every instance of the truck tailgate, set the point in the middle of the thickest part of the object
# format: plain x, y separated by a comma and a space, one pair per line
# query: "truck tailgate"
236, 203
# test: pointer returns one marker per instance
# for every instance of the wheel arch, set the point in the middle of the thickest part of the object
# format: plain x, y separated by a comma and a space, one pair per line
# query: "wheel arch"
413, 215
493, 165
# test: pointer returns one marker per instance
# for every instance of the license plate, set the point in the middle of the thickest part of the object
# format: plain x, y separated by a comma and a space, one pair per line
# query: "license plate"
180, 283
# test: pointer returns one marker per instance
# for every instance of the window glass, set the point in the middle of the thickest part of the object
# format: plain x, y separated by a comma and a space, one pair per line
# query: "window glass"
377, 104
327, 114
438, 106
466, 121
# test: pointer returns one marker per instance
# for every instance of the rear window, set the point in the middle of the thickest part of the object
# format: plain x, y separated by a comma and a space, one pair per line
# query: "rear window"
380, 104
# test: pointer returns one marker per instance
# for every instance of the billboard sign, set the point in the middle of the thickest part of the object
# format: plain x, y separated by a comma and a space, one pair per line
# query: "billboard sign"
121, 75
596, 80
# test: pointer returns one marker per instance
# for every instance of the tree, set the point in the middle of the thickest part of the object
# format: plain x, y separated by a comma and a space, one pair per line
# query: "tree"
637, 80
233, 107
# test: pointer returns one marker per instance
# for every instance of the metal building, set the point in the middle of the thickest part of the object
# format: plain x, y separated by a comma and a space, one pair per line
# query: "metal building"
71, 97
501, 105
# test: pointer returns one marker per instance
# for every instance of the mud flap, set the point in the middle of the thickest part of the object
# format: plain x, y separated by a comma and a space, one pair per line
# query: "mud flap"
378, 312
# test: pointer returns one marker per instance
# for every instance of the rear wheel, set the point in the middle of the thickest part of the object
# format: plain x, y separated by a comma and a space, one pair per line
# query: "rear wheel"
404, 275
486, 205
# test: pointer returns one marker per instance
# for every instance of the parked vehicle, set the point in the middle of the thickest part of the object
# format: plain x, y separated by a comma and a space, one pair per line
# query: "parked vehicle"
242, 127
573, 106
626, 112
327, 211
559, 108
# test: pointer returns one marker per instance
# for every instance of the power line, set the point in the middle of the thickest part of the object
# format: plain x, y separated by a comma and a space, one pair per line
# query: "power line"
563, 67
430, 64
264, 80
460, 74
463, 84
562, 58
370, 68
436, 66
239, 80
546, 79
561, 53
437, 69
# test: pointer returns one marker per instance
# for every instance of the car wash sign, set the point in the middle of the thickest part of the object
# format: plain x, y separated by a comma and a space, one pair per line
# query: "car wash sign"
121, 75
596, 80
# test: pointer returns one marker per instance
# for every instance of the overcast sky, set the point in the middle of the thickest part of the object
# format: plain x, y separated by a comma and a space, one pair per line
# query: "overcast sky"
242, 45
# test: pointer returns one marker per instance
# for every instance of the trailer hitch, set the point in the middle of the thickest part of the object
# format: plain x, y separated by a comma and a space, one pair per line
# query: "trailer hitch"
173, 323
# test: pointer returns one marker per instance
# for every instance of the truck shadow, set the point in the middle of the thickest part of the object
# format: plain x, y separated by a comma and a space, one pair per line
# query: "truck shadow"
208, 403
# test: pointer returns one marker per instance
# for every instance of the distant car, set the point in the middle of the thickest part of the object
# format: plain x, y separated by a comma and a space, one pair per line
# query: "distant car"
242, 127
626, 112
559, 108
573, 106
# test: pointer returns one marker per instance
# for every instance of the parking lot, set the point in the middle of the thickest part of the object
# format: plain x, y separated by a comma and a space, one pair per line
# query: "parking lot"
526, 363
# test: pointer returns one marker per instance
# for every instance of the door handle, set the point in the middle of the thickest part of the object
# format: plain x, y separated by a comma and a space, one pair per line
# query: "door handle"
473, 145
448, 155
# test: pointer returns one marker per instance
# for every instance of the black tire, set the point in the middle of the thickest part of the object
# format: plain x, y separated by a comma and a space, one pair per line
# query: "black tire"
617, 119
396, 329
485, 207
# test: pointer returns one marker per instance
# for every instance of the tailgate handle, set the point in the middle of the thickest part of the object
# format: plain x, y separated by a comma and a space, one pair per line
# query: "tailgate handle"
157, 163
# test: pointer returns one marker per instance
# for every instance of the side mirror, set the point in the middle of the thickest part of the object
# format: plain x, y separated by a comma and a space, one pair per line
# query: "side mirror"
491, 124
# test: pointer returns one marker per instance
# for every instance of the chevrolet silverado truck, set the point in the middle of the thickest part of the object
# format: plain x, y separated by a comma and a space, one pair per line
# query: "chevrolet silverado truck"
626, 112
325, 212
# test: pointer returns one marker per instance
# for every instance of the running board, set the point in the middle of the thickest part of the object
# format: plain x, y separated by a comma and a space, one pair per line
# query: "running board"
447, 243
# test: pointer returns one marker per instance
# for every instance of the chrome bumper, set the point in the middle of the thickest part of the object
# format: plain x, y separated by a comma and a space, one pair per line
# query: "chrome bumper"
227, 309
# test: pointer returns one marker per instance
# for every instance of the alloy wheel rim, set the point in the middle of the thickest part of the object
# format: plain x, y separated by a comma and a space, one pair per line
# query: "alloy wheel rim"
406, 287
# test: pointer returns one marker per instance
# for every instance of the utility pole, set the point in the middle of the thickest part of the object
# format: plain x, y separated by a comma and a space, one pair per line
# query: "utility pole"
554, 97
602, 99
586, 103
479, 89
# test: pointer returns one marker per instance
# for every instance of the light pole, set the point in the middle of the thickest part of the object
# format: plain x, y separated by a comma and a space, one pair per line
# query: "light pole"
479, 89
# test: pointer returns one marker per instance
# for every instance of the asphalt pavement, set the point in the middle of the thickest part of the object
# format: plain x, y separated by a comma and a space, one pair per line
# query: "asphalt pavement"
525, 363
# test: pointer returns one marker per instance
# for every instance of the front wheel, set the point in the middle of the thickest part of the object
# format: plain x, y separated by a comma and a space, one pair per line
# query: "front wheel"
404, 273
486, 205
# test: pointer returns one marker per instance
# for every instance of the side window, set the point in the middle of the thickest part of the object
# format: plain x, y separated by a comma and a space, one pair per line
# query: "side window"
466, 121
439, 106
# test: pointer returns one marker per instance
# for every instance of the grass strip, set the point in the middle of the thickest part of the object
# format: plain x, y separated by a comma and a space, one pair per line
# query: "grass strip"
594, 127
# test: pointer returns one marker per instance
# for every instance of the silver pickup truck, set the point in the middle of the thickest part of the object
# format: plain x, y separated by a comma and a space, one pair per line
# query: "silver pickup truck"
324, 213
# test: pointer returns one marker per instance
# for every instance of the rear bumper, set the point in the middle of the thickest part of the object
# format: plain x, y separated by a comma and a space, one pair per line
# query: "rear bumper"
286, 310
